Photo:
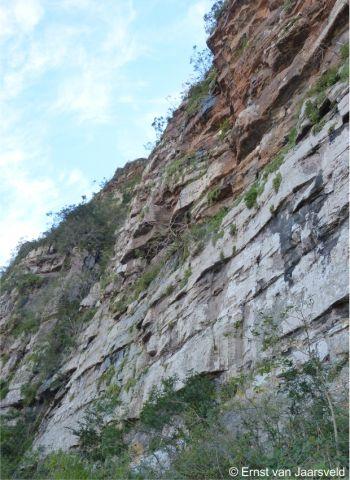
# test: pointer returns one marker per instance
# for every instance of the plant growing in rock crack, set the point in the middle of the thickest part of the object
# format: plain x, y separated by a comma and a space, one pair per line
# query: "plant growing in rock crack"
288, 5
185, 278
224, 128
243, 45
276, 182
233, 229
4, 388
178, 167
251, 195
198, 92
213, 195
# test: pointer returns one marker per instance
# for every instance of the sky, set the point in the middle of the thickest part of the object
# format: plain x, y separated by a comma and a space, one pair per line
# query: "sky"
80, 84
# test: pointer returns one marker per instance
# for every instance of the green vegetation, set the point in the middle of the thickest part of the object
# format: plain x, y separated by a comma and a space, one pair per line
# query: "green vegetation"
276, 182
128, 190
89, 226
63, 466
216, 236
197, 398
25, 322
212, 17
176, 169
29, 392
107, 376
242, 46
272, 428
288, 5
24, 282
97, 439
213, 195
130, 384
327, 79
143, 282
16, 435
344, 72
251, 195
4, 388
224, 128
331, 129
169, 290
344, 52
195, 238
233, 229
200, 91
312, 112
185, 278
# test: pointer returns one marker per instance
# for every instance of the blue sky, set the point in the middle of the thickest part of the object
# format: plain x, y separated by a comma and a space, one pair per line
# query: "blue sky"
81, 82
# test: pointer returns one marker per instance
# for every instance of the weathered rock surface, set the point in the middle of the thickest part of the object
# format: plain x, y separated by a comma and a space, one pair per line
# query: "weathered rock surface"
289, 248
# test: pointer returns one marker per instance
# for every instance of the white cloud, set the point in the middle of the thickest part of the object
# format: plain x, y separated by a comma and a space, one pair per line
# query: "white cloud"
86, 96
27, 14
26, 200
19, 17
63, 62
86, 56
24, 212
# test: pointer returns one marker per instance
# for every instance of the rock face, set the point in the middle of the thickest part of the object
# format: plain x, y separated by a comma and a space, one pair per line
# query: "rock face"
252, 193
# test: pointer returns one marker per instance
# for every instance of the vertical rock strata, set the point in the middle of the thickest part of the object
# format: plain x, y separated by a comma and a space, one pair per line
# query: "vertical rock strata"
197, 312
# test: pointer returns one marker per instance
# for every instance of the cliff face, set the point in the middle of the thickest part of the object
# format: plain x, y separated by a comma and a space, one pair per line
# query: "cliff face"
241, 208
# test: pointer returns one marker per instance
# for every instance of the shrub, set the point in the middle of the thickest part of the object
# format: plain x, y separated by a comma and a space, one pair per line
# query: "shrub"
251, 196
344, 52
143, 282
97, 439
212, 17
242, 46
159, 124
344, 73
25, 322
4, 388
288, 5
224, 128
196, 398
216, 236
277, 181
177, 167
24, 282
185, 278
312, 112
16, 437
200, 91
60, 340
201, 60
327, 79
29, 391
89, 226
169, 290
197, 235
233, 229
64, 466
213, 195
